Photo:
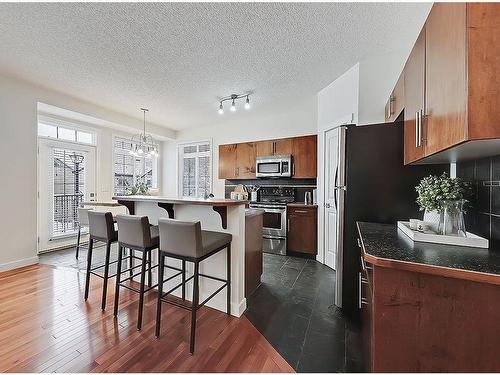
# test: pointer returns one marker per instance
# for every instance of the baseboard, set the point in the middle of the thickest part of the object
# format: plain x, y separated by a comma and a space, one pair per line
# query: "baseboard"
18, 263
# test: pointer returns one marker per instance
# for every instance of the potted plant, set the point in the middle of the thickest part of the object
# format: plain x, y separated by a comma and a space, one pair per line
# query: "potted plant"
139, 189
442, 199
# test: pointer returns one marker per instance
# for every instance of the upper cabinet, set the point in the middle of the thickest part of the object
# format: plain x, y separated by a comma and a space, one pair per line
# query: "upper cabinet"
274, 147
304, 152
451, 96
445, 77
414, 78
237, 161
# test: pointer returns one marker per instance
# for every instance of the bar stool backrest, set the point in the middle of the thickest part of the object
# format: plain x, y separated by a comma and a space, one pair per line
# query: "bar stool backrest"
101, 225
83, 216
134, 231
182, 238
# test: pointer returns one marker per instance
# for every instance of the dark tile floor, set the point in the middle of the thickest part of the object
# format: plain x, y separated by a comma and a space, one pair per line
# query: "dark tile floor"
294, 309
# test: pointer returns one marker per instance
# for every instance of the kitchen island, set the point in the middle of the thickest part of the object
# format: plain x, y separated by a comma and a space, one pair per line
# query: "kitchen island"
427, 307
222, 215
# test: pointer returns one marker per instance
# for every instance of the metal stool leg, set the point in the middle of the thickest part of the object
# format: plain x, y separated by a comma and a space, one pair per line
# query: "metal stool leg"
89, 266
131, 261
228, 294
183, 280
106, 276
150, 273
118, 274
78, 240
141, 290
161, 262
194, 307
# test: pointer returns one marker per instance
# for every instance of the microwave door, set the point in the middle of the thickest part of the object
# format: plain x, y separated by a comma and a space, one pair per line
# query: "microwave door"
271, 168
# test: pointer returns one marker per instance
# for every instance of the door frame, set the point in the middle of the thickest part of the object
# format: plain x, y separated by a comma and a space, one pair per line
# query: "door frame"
52, 143
346, 120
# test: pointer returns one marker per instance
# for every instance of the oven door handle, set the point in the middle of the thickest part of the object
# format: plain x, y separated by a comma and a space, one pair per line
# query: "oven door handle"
274, 210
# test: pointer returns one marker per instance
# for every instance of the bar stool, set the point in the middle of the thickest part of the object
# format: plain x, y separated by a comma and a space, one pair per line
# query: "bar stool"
136, 234
83, 221
101, 228
187, 242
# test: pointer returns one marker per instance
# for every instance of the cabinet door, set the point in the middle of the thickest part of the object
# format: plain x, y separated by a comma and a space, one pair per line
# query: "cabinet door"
398, 97
302, 231
304, 152
446, 78
265, 148
227, 161
283, 146
245, 160
414, 80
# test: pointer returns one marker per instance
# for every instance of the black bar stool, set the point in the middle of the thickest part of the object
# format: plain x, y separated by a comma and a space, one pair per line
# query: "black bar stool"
101, 228
187, 242
135, 233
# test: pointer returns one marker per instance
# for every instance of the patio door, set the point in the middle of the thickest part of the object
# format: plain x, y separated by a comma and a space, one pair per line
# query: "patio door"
66, 178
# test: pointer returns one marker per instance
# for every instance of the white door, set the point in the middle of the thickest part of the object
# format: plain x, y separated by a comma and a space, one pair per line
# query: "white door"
66, 178
331, 158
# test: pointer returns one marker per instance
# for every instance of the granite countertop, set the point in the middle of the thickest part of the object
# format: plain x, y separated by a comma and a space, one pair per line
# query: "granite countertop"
386, 245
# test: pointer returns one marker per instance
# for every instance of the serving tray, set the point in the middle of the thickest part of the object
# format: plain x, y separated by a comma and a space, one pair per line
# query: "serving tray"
471, 240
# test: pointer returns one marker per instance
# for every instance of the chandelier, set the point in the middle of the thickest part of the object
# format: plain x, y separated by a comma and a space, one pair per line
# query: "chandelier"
233, 98
143, 144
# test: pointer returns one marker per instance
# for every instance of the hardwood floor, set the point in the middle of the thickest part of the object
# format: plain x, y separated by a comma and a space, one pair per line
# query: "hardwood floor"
45, 326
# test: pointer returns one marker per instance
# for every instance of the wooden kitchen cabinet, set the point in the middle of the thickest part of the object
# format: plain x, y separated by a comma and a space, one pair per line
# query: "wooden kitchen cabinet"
283, 146
395, 104
302, 229
274, 147
451, 98
414, 78
265, 148
305, 154
245, 160
227, 161
237, 161
445, 77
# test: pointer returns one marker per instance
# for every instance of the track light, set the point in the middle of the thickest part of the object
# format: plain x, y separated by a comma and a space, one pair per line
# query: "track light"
233, 98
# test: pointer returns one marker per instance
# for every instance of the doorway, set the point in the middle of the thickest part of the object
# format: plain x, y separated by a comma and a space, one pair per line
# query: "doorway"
66, 178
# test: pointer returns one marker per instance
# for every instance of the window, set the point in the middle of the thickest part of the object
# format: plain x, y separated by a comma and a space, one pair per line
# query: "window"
195, 169
130, 170
68, 184
65, 133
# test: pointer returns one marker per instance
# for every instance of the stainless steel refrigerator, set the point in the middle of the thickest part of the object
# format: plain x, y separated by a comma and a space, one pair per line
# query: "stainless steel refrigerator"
371, 184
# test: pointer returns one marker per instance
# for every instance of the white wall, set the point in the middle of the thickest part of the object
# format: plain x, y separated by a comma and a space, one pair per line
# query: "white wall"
294, 119
18, 170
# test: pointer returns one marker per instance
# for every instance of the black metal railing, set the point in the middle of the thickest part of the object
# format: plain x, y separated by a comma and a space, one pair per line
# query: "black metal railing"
66, 212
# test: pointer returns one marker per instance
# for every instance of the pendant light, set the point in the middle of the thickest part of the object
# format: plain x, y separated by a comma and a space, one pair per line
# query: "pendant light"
143, 144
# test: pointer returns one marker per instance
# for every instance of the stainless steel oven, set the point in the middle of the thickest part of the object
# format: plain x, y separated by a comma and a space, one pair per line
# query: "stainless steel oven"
274, 227
274, 166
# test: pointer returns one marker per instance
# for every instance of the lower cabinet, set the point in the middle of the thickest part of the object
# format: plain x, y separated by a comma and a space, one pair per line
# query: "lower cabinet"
302, 229
420, 322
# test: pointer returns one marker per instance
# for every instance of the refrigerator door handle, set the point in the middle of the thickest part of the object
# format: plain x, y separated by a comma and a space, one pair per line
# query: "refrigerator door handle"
335, 188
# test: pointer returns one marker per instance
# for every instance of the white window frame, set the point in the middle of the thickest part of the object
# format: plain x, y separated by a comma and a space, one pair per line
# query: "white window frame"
180, 164
156, 164
56, 122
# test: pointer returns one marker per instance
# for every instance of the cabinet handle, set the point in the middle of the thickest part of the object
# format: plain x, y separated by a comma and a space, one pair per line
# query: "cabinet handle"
416, 129
288, 225
300, 211
359, 291
237, 171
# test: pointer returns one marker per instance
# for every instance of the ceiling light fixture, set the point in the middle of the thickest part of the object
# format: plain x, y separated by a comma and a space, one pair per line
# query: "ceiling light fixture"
144, 144
233, 98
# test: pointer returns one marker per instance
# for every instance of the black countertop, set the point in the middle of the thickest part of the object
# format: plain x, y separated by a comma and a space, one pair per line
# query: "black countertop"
387, 242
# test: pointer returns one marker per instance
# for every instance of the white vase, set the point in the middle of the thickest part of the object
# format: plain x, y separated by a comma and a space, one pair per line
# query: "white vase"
432, 219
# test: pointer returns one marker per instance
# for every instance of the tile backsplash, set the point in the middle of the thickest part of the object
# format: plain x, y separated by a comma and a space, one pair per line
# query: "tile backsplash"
301, 186
483, 218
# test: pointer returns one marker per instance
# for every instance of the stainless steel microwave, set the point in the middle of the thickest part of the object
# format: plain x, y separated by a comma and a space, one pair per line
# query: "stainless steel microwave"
274, 166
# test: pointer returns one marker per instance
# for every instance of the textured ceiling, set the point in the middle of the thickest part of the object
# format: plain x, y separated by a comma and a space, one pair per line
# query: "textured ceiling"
178, 58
